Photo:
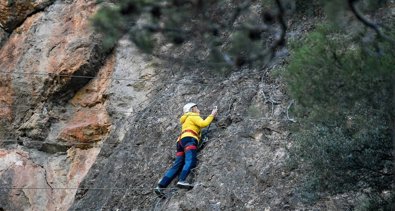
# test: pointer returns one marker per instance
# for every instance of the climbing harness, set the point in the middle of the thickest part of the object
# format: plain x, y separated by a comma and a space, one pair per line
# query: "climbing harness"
203, 139
188, 131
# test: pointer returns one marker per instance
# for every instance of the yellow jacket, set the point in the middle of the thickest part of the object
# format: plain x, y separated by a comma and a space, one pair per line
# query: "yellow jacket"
192, 121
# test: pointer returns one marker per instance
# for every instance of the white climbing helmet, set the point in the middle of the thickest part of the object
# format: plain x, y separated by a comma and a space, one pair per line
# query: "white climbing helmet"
187, 107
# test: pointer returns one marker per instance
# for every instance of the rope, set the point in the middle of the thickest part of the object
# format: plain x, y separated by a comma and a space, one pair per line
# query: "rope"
70, 76
201, 80
109, 111
77, 188
100, 143
86, 76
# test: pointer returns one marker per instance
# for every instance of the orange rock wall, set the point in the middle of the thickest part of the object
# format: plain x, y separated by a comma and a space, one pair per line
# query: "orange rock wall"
57, 40
47, 186
14, 12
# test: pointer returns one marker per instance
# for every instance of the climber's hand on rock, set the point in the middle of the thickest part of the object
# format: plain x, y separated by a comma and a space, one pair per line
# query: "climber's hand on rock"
214, 112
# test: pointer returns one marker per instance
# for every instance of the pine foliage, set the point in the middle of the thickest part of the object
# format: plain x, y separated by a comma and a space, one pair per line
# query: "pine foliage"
344, 93
219, 33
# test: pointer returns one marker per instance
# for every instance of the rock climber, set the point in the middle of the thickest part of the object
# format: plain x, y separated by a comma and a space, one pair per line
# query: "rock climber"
187, 144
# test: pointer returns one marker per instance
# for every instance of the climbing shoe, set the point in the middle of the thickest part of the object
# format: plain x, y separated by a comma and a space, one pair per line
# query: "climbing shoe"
184, 185
159, 192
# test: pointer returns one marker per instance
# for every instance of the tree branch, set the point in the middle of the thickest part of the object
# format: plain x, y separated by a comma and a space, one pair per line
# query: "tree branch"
281, 40
288, 107
367, 22
240, 8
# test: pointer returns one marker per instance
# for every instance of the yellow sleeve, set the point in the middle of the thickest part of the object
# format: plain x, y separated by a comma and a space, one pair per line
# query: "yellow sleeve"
197, 120
183, 118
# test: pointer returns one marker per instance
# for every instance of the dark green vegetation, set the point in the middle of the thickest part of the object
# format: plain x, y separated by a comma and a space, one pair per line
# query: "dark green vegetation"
218, 33
344, 91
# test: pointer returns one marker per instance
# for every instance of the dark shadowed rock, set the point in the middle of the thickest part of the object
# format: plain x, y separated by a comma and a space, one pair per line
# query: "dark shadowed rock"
3, 36
14, 13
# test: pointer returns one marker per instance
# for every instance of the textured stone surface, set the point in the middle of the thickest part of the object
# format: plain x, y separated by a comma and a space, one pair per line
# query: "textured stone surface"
133, 80
56, 41
95, 91
49, 114
37, 184
87, 125
14, 169
14, 13
35, 108
241, 168
3, 36
131, 110
5, 99
79, 162
91, 122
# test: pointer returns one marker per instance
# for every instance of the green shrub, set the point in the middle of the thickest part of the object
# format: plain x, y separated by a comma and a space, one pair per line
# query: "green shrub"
344, 96
377, 203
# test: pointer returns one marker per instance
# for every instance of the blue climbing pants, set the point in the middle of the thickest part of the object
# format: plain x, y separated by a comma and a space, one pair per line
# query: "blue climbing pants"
184, 163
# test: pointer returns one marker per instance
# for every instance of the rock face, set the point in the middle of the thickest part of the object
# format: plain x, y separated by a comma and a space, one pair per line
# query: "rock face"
38, 183
44, 109
55, 109
85, 129
3, 36
91, 122
14, 13
97, 129
242, 167
57, 41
